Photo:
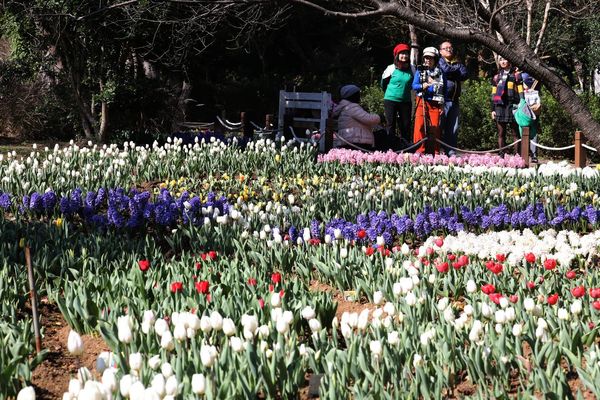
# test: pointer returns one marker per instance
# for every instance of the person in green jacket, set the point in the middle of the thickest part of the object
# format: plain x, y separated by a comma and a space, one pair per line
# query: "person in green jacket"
396, 81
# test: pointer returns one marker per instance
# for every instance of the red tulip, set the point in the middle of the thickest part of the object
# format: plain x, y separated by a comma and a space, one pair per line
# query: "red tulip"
530, 258
261, 303
439, 242
370, 251
276, 278
596, 305
271, 288
500, 257
530, 285
456, 265
513, 298
595, 293
578, 291
488, 289
442, 267
429, 251
552, 299
550, 264
144, 265
314, 241
251, 281
451, 257
571, 274
202, 287
198, 265
281, 293
177, 287
212, 255
361, 234
208, 298
495, 297
463, 260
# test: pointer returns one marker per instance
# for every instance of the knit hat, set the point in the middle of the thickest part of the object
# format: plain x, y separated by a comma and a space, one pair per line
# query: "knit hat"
431, 51
348, 90
400, 48
527, 79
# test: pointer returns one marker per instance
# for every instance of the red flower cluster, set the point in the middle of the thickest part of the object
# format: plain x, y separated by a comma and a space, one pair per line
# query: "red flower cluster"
495, 297
210, 255
462, 261
552, 299
276, 278
252, 281
203, 287
144, 265
371, 250
549, 264
571, 274
177, 287
530, 258
494, 267
488, 289
595, 293
578, 291
361, 234
442, 267
500, 257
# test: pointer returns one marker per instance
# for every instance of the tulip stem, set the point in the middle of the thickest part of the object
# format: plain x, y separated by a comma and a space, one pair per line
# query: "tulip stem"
33, 297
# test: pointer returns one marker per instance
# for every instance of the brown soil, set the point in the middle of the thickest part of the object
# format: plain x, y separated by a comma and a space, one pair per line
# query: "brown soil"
51, 378
343, 304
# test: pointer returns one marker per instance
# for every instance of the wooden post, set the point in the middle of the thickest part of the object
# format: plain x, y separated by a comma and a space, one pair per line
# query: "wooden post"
269, 121
580, 154
33, 298
329, 134
246, 125
525, 145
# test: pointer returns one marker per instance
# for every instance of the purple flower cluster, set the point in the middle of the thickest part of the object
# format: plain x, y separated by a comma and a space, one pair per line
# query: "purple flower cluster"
121, 209
446, 219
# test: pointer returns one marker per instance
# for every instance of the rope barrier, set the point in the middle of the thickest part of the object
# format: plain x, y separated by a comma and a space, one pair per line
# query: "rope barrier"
299, 139
227, 126
478, 151
263, 130
353, 145
552, 148
237, 124
412, 146
589, 148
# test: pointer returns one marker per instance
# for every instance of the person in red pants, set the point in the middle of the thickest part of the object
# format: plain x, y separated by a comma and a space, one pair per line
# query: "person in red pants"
430, 87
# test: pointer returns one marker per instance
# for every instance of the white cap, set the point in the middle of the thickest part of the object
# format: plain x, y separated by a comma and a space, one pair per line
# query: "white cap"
431, 51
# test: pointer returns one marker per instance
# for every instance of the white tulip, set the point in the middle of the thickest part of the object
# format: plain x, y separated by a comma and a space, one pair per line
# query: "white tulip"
308, 313
236, 344
216, 321
393, 338
137, 391
75, 343
158, 384
250, 323
282, 326
154, 362
563, 314
124, 325
314, 325
179, 332
418, 361
67, 395
166, 369
375, 347
410, 299
529, 304
172, 386
198, 384
150, 394
486, 310
228, 327
503, 302
205, 324
109, 380
576, 307
363, 319
471, 286
161, 326
468, 310
500, 316
135, 361
517, 329
91, 391
443, 303
378, 298
166, 341
207, 356
125, 385
75, 386
275, 300
389, 308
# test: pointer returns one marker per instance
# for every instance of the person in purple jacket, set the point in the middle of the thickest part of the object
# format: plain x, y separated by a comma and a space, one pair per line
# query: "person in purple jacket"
455, 72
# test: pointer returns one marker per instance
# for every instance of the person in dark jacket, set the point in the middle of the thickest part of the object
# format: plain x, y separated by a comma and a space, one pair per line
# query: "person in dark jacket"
507, 90
455, 73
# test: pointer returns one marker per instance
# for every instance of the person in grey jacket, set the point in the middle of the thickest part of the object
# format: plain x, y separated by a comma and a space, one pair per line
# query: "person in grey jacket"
455, 72
355, 125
